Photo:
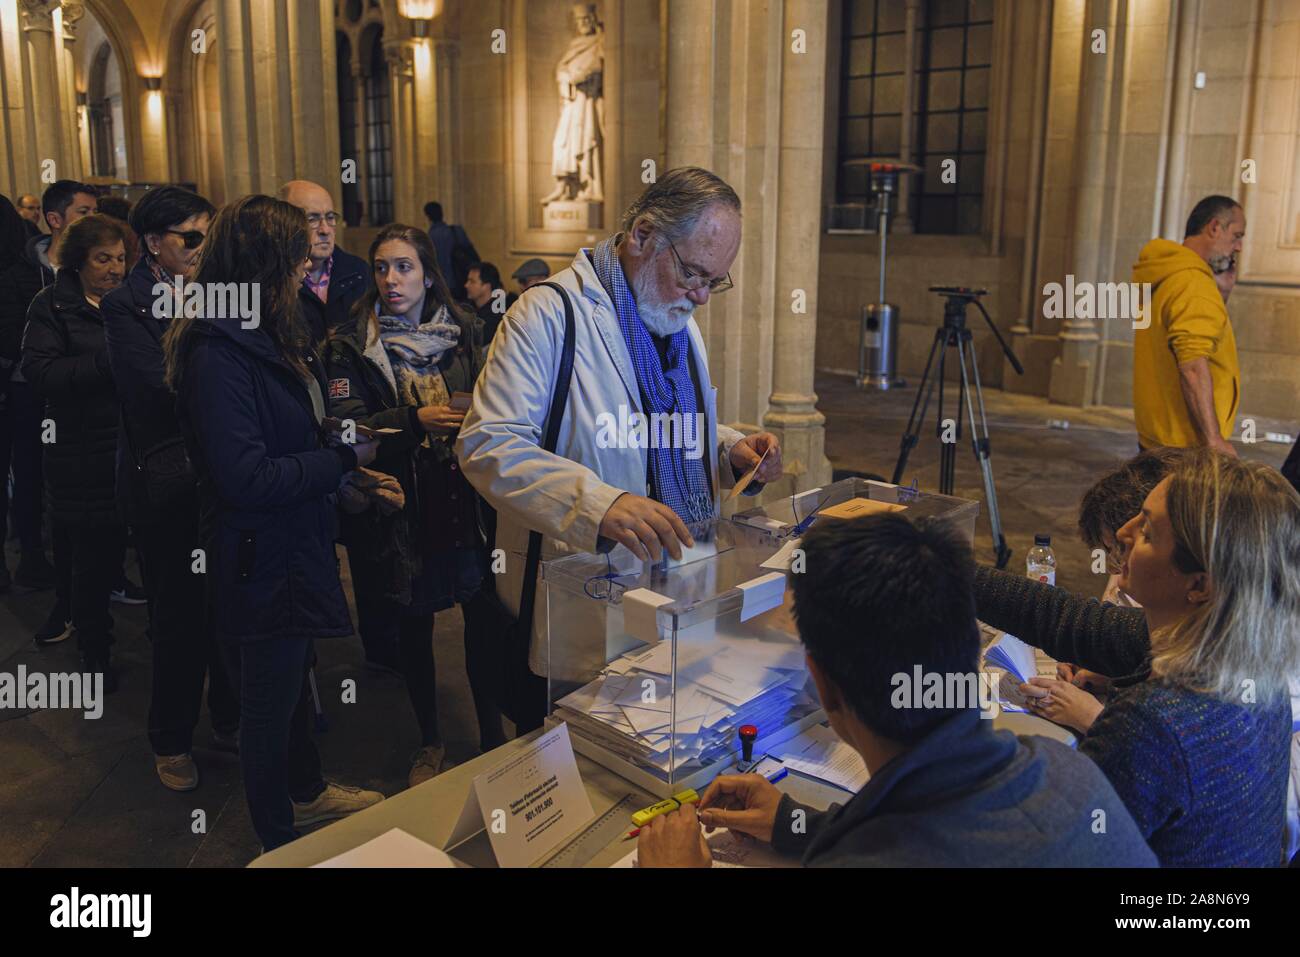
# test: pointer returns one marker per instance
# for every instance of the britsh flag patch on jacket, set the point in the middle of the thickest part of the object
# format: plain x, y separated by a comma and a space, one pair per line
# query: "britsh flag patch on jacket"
340, 388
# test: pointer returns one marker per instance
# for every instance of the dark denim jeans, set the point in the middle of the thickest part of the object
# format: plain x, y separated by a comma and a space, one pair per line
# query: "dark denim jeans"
412, 633
278, 758
180, 629
87, 562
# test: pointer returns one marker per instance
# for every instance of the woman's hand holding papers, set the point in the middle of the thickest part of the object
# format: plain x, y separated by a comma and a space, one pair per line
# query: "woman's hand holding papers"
742, 803
1061, 702
441, 419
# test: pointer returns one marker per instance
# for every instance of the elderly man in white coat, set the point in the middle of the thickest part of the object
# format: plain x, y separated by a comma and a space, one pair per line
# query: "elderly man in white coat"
638, 351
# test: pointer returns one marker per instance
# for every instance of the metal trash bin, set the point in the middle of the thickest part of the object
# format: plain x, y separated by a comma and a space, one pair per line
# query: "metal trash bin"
878, 348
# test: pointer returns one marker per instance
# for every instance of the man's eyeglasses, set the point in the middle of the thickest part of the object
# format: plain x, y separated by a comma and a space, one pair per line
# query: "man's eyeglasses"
192, 238
314, 219
691, 282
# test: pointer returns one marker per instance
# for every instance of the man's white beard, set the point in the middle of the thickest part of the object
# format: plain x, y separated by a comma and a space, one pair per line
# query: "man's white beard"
662, 320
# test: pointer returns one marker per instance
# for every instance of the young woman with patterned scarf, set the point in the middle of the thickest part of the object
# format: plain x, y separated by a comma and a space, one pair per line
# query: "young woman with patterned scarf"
395, 365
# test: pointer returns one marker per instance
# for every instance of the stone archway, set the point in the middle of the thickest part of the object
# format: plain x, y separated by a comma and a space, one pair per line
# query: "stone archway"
132, 54
191, 90
104, 115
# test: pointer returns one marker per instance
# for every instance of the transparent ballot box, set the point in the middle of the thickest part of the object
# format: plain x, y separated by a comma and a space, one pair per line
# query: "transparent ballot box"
786, 518
656, 667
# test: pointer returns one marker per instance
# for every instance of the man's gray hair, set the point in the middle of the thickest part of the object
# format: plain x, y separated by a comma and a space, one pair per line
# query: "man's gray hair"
674, 204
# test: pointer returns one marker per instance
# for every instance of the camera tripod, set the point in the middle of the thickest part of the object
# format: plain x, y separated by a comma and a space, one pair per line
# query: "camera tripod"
955, 334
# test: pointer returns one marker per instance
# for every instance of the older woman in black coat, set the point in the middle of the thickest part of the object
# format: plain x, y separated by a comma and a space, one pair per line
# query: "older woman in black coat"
157, 490
65, 360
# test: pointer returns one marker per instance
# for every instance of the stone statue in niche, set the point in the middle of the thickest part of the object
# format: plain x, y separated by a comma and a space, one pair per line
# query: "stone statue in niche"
578, 150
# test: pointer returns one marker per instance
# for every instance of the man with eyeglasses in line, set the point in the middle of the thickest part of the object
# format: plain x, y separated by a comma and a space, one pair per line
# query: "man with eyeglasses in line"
637, 352
336, 279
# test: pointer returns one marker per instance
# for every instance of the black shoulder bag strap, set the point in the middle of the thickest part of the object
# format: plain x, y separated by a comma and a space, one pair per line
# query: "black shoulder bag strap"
559, 399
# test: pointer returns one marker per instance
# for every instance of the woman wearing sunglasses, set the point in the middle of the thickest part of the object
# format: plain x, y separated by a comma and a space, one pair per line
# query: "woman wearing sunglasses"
156, 489
1196, 738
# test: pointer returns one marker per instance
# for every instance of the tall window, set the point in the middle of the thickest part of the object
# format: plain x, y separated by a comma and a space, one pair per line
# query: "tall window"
379, 136
948, 122
103, 114
952, 115
347, 125
871, 96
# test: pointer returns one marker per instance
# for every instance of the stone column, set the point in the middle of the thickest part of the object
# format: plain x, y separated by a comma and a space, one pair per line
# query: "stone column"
792, 410
72, 12
1074, 372
1173, 216
903, 218
401, 78
239, 104
42, 87
276, 101
690, 81
446, 116
309, 66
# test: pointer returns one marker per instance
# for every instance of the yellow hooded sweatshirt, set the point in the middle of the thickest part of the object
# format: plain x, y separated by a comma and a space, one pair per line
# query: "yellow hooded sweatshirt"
1188, 320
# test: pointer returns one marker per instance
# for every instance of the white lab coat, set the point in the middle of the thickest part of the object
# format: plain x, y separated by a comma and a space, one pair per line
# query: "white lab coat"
566, 494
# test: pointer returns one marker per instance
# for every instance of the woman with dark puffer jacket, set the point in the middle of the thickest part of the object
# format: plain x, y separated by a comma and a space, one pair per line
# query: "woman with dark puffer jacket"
65, 360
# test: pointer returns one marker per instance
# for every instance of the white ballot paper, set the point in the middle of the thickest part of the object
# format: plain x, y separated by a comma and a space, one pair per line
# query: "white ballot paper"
1015, 662
529, 804
393, 848
819, 753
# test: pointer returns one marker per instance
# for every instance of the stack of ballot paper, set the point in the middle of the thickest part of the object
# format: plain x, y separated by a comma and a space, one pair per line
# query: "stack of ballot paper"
1017, 663
819, 753
635, 710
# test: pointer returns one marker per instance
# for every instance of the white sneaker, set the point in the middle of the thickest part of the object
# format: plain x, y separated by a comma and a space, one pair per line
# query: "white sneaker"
177, 772
425, 764
337, 800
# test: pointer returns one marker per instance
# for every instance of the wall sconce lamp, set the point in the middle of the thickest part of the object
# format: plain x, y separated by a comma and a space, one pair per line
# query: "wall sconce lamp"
419, 12
152, 83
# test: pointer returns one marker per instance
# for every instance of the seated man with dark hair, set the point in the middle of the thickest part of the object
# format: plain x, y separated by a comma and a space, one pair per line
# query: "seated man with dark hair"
882, 596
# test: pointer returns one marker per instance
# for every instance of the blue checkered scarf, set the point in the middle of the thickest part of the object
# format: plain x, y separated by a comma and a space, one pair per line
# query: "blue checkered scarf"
679, 482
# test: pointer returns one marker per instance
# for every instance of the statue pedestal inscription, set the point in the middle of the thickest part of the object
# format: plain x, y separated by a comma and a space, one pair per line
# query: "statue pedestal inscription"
571, 214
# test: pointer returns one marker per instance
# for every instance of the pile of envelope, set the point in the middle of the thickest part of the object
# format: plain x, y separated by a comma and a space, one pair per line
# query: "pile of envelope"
634, 710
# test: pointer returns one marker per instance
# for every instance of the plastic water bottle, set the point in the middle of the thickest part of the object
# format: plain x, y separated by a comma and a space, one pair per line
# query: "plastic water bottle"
1040, 563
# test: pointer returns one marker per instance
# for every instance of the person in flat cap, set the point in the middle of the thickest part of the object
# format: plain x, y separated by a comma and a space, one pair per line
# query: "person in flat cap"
531, 273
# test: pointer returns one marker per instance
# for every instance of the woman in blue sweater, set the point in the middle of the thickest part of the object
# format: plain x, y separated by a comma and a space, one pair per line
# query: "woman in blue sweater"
1196, 739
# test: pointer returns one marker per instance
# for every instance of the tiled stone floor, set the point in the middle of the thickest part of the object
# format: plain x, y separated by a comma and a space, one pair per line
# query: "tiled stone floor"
83, 793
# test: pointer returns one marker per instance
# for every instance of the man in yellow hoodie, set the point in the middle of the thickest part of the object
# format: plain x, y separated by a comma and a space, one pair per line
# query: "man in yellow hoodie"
1186, 381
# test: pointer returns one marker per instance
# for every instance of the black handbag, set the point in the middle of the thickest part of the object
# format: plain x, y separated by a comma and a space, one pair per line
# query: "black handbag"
523, 694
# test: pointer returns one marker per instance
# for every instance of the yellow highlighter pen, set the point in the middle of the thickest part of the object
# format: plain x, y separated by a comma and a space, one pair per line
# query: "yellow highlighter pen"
644, 816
